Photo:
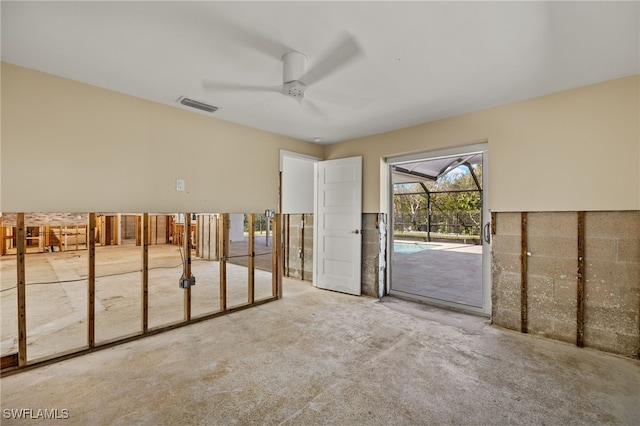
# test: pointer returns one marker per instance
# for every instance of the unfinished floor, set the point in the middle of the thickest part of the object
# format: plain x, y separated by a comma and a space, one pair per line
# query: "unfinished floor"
319, 357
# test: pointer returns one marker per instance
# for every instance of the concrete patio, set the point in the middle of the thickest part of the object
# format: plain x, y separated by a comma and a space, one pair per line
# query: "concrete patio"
446, 271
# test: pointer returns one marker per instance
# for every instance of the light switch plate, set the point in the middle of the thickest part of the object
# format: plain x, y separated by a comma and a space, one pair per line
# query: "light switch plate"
179, 184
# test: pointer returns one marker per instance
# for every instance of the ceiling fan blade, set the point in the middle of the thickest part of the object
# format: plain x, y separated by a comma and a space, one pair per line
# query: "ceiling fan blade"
345, 51
350, 101
311, 107
221, 86
264, 45
252, 38
261, 37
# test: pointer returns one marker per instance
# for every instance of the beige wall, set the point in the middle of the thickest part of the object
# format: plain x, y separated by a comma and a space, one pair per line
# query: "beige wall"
573, 150
67, 146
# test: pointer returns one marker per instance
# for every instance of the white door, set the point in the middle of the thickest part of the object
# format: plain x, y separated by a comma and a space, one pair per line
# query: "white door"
337, 223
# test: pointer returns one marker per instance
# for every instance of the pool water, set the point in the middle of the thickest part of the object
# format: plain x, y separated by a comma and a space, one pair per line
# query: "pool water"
411, 247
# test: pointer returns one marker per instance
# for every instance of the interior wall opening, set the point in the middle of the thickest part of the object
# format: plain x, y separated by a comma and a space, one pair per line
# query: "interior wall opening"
75, 282
297, 192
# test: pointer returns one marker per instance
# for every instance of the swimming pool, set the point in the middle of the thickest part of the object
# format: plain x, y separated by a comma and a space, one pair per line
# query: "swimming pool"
401, 247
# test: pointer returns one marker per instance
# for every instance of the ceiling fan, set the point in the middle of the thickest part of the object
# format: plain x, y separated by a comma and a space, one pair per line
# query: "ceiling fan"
297, 77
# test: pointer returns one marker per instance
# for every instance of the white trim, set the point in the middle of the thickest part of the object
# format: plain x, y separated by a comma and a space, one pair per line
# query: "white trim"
441, 303
314, 275
440, 153
285, 153
487, 283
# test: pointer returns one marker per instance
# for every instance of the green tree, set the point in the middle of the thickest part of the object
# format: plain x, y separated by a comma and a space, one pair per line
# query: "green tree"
452, 211
408, 201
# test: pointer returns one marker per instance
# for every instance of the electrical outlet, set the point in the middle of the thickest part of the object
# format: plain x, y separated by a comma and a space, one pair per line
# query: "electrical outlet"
186, 282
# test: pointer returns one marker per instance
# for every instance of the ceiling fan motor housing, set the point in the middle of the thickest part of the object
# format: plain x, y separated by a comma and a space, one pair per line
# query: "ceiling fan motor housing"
294, 67
295, 89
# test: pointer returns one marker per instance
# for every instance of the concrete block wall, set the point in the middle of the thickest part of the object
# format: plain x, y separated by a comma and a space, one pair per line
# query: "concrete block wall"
612, 281
505, 271
370, 254
308, 248
293, 245
299, 252
552, 243
611, 277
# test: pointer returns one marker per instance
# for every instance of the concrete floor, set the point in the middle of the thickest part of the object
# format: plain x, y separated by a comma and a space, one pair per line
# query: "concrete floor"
446, 271
263, 253
319, 357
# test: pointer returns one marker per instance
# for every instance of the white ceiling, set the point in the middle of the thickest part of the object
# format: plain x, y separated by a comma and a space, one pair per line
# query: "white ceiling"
420, 61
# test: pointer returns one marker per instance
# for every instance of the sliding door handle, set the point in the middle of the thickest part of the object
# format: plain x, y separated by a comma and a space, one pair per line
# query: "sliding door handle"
486, 232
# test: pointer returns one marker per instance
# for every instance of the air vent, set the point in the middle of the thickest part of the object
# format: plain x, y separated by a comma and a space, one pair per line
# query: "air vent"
196, 104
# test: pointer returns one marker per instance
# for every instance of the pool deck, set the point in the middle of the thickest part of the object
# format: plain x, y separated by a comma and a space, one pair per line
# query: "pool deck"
446, 271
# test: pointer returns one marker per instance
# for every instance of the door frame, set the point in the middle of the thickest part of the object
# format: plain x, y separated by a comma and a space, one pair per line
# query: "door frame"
483, 148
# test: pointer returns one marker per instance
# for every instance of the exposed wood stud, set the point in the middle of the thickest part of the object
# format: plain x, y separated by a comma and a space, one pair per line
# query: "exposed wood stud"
91, 283
3, 248
252, 230
116, 227
523, 274
279, 251
9, 361
41, 239
276, 262
224, 252
217, 237
493, 223
145, 272
187, 264
107, 231
205, 234
139, 232
580, 289
198, 234
274, 259
21, 287
211, 219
